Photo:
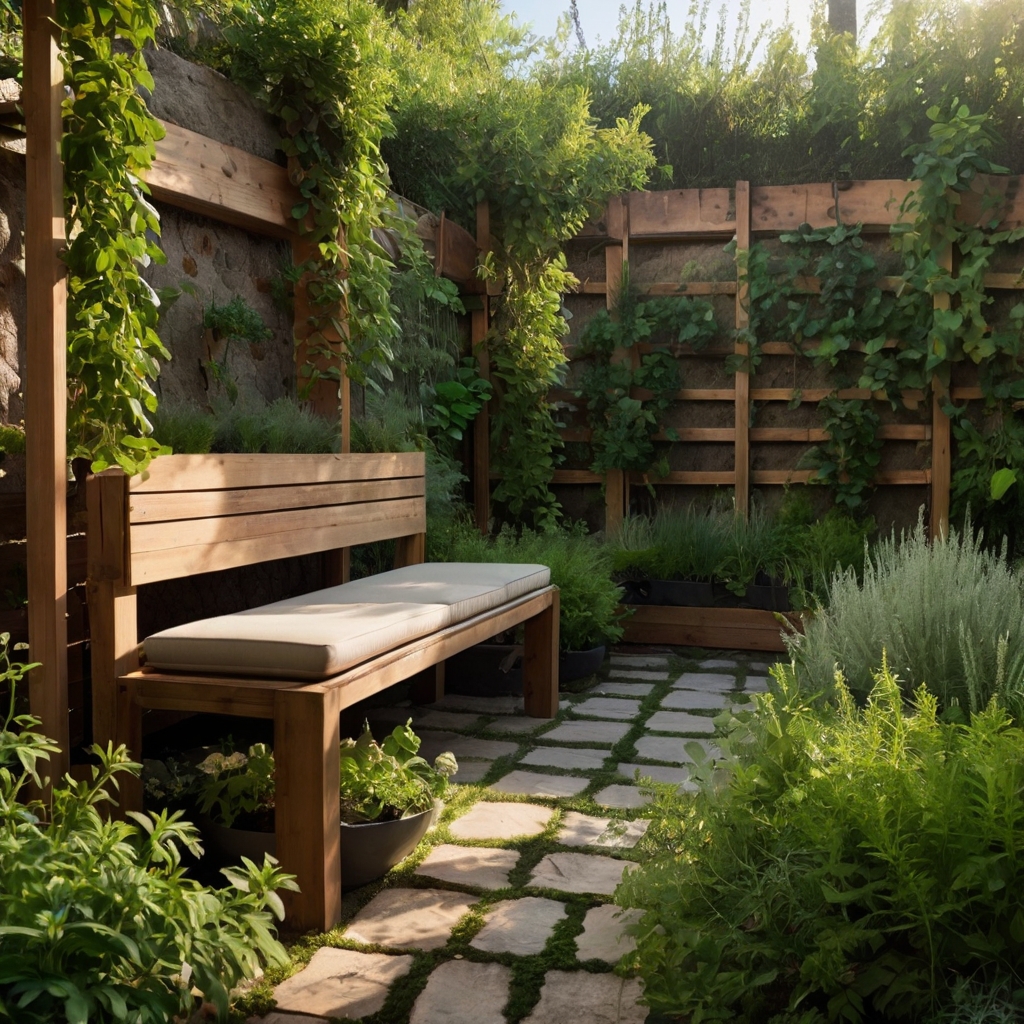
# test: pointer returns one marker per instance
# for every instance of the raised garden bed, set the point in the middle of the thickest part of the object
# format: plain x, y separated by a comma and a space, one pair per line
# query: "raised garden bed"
742, 629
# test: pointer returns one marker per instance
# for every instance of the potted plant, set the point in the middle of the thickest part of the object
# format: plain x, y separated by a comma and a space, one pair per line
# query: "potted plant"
390, 796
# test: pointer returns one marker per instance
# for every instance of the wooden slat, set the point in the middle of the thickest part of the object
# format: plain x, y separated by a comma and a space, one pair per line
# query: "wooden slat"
219, 472
745, 629
170, 505
46, 373
974, 394
576, 476
456, 252
706, 395
679, 212
699, 477
875, 204
229, 542
1007, 281
615, 259
686, 288
884, 478
938, 518
480, 324
887, 432
222, 182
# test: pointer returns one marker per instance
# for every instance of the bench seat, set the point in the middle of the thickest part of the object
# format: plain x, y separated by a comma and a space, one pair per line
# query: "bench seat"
318, 635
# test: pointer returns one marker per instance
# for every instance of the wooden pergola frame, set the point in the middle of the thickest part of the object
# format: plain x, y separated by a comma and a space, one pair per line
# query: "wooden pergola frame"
191, 172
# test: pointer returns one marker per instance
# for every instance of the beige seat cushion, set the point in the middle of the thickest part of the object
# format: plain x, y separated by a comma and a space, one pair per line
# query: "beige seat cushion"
321, 634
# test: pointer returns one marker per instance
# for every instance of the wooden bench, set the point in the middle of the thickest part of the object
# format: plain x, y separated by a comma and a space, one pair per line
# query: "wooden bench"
195, 514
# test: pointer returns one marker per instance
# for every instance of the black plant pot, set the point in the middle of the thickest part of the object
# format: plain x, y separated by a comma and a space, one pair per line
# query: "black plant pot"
368, 851
577, 664
768, 594
637, 592
682, 593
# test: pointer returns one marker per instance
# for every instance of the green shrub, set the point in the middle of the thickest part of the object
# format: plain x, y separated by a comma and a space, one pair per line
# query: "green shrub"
97, 921
580, 567
284, 427
12, 439
949, 614
855, 861
185, 429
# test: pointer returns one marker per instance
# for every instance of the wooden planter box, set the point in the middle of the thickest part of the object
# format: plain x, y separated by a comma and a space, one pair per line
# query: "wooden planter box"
741, 629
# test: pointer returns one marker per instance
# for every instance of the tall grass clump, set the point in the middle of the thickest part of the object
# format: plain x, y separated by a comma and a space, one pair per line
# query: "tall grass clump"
185, 429
950, 615
283, 427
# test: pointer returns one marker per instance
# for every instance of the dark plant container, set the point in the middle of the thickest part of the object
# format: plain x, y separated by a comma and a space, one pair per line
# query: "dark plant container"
577, 664
486, 670
682, 593
725, 598
637, 591
369, 851
768, 594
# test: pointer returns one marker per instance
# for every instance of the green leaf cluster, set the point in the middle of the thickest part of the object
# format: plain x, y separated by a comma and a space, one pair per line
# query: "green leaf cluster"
852, 862
455, 403
381, 782
98, 921
234, 784
625, 427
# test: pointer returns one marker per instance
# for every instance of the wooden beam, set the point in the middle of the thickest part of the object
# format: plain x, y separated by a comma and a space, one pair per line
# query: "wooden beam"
480, 325
46, 384
455, 252
744, 629
741, 465
615, 257
196, 173
938, 519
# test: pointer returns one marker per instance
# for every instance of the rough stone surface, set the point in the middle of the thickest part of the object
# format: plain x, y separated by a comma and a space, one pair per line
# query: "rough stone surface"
716, 681
471, 771
622, 689
502, 705
593, 998
464, 865
585, 830
445, 720
669, 748
603, 936
341, 983
285, 1018
622, 798
468, 747
516, 724
521, 926
608, 707
571, 758
637, 673
602, 733
639, 662
718, 663
463, 992
656, 772
678, 721
756, 683
409, 918
689, 700
501, 821
535, 784
579, 873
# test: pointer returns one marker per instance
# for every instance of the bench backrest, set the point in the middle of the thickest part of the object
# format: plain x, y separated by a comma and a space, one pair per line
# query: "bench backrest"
189, 514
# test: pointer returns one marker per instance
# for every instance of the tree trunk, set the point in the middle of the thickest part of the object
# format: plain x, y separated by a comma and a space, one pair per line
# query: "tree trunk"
842, 16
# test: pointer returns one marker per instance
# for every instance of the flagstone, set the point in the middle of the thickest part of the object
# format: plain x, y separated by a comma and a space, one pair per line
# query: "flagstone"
463, 747
757, 684
463, 992
638, 673
516, 724
716, 663
604, 933
585, 830
717, 682
593, 998
486, 820
621, 797
520, 926
669, 748
621, 689
579, 873
639, 661
608, 707
445, 720
534, 784
678, 721
409, 918
657, 773
603, 733
572, 758
285, 1018
691, 700
471, 771
341, 983
469, 865
500, 705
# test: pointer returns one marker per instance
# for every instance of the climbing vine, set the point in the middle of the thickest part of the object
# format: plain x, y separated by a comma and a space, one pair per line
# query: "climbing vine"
624, 427
109, 141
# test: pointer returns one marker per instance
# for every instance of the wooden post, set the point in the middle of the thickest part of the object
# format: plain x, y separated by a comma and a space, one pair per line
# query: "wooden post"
480, 325
616, 480
941, 435
540, 662
741, 463
46, 383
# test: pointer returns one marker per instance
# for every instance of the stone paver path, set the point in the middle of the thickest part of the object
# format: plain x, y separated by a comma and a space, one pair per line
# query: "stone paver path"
531, 855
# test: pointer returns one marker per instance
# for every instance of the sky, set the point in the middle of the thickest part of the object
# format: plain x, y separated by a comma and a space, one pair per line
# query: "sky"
599, 18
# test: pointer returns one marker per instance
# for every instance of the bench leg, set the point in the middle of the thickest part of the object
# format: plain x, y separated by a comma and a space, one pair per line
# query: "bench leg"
308, 827
540, 663
428, 686
128, 730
